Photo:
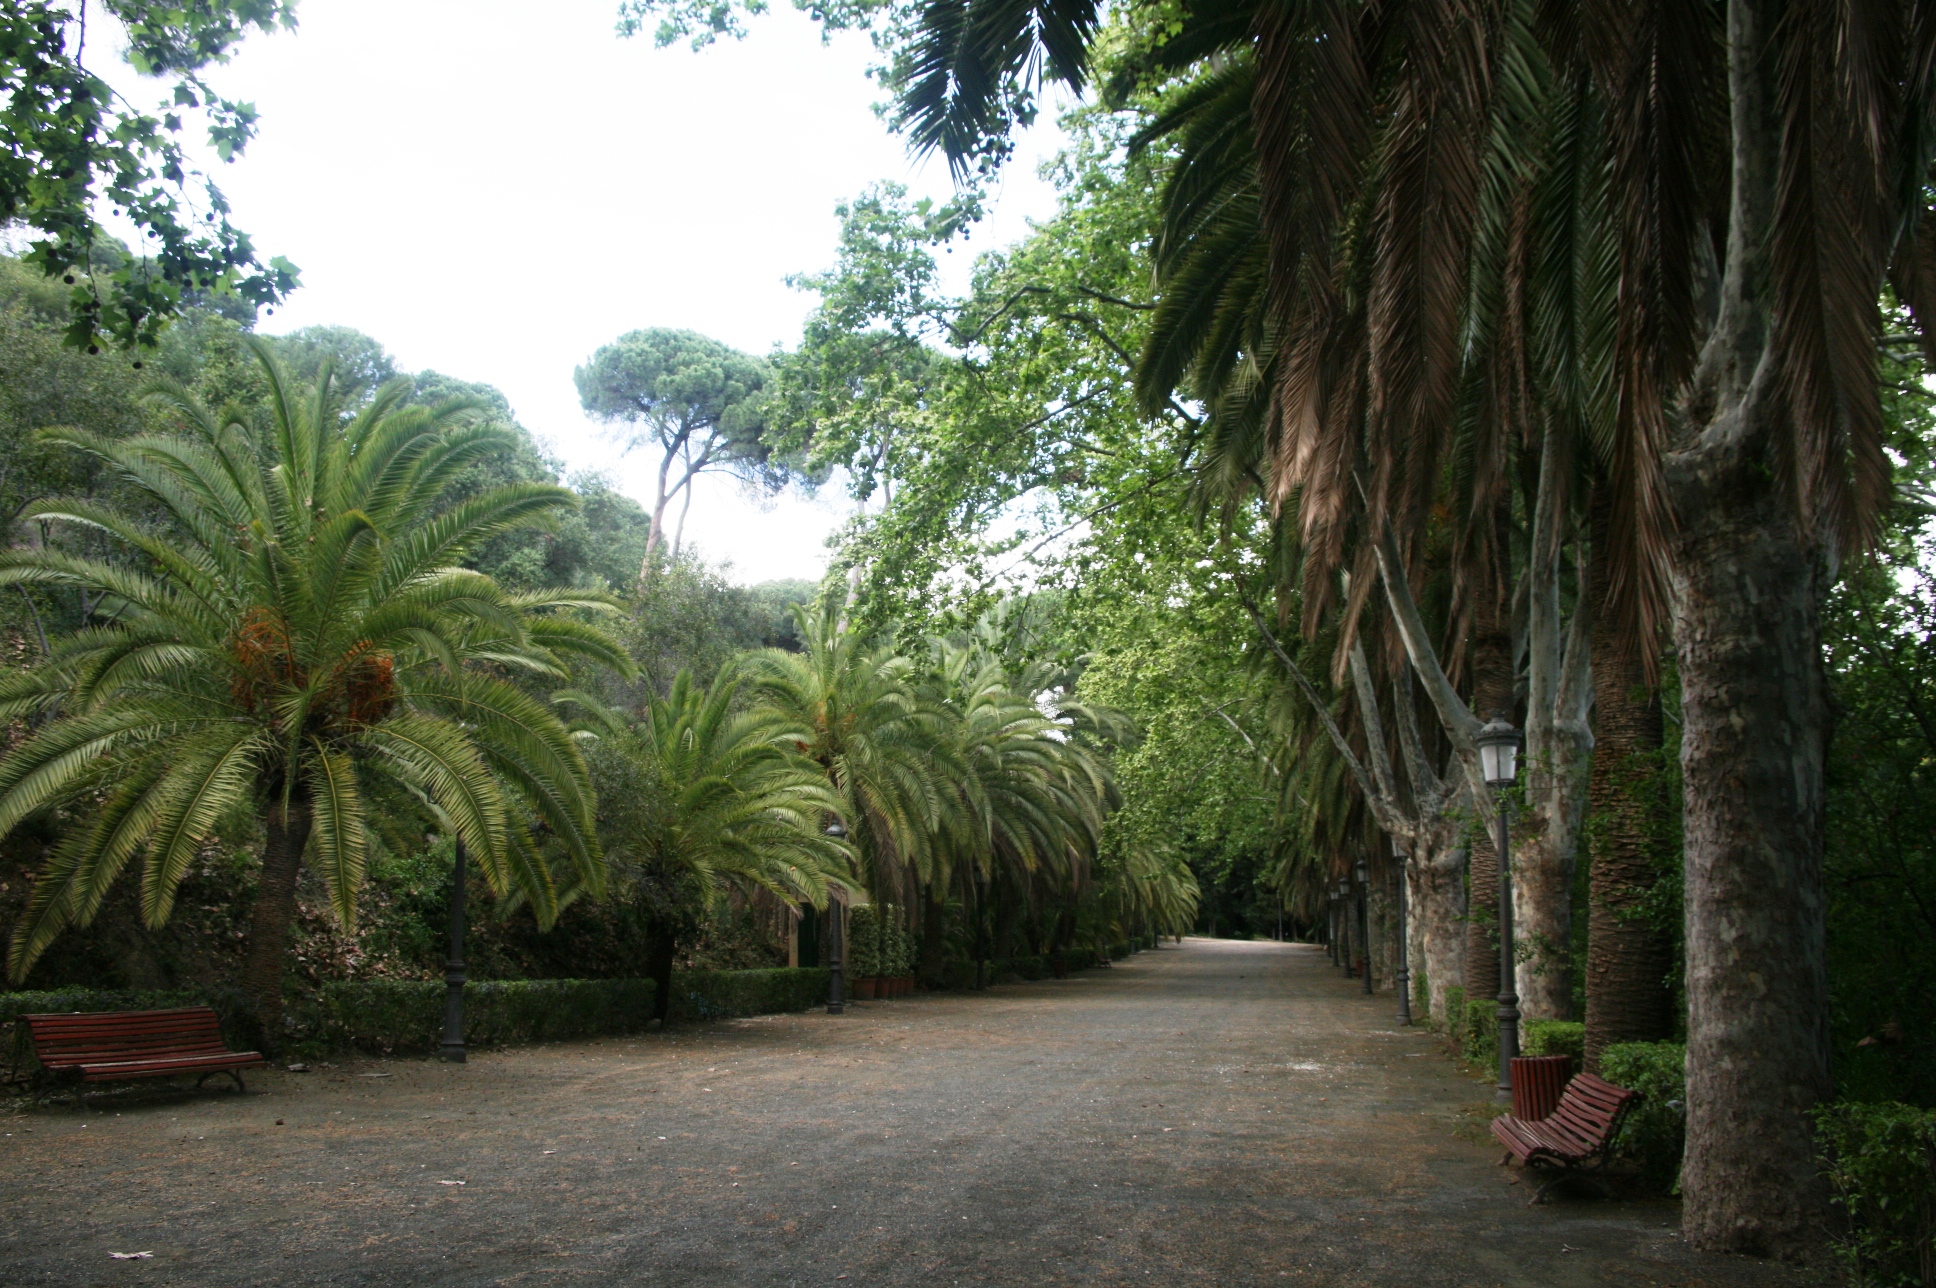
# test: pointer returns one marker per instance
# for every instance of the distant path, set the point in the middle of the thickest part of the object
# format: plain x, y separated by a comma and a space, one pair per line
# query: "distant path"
1220, 1113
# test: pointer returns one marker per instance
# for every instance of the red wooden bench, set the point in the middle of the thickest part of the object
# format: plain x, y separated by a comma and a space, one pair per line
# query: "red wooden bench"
1576, 1137
115, 1046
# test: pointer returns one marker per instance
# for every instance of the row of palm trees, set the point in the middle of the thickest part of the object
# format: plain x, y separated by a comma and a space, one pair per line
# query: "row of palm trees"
1510, 276
286, 628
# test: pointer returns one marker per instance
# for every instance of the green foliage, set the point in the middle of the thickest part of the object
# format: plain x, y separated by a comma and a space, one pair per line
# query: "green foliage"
1479, 1032
408, 1015
715, 995
1553, 1037
296, 631
1656, 1130
1455, 1016
862, 959
74, 146
1881, 1161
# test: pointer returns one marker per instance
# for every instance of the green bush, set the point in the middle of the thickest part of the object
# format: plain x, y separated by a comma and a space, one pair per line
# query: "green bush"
1656, 1130
1480, 1032
1881, 1161
1454, 1017
721, 994
408, 1015
1554, 1037
863, 956
1118, 952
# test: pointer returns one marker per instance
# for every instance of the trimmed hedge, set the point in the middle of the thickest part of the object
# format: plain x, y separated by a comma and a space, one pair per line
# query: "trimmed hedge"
1554, 1037
1656, 1131
721, 994
408, 1015
1882, 1174
1455, 1016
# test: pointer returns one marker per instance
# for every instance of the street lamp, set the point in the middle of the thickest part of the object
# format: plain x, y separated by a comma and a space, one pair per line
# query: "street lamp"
1364, 921
834, 1006
1344, 924
1404, 946
453, 1052
1331, 944
1499, 761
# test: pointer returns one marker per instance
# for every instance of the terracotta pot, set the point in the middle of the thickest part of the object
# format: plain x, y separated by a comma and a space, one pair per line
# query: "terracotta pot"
863, 990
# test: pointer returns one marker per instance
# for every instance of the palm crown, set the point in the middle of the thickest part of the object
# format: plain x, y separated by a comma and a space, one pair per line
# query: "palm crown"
296, 623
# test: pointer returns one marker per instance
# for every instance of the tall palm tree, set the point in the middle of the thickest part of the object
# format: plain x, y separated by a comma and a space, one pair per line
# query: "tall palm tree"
699, 797
886, 752
287, 620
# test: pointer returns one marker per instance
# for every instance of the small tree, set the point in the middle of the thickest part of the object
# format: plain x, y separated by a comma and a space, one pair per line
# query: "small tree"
694, 401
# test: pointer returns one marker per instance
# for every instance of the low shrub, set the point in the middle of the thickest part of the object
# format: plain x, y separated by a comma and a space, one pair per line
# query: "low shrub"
1480, 1032
407, 1016
721, 994
1881, 1161
1656, 1130
1120, 951
1454, 1017
1554, 1037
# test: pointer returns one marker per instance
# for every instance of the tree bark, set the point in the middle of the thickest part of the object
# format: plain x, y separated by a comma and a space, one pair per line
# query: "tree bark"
1437, 921
1748, 582
1628, 960
287, 828
934, 935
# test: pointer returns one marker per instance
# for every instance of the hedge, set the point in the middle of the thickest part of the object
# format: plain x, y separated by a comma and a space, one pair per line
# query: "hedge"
1656, 1130
1881, 1162
408, 1015
1481, 1031
1554, 1037
720, 994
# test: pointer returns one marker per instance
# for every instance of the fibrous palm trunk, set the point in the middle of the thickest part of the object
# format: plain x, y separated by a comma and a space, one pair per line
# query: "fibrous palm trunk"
1628, 960
934, 934
287, 826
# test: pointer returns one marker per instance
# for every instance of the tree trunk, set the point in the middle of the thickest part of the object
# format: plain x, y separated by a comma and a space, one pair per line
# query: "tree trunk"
1748, 586
934, 935
1627, 960
1437, 922
661, 945
287, 830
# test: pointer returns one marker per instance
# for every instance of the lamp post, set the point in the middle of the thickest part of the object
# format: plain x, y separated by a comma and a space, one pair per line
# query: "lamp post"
453, 1050
834, 1006
1344, 924
1499, 761
1404, 974
1364, 923
1331, 925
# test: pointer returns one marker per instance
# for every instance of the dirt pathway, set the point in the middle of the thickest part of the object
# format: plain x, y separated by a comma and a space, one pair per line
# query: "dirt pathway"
1223, 1113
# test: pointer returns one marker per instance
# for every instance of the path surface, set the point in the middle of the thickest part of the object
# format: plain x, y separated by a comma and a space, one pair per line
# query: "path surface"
1221, 1113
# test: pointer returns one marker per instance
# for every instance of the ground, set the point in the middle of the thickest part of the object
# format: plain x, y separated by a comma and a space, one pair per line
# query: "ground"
1219, 1113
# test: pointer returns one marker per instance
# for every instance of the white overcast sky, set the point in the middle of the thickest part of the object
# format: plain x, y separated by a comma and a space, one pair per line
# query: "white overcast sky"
493, 190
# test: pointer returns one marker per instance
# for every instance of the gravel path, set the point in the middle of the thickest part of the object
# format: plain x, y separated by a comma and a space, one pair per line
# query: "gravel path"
1220, 1113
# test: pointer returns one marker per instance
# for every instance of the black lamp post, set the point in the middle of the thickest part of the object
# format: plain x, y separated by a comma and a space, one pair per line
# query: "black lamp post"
1364, 923
1331, 925
1499, 761
834, 1006
1344, 924
453, 1051
1404, 973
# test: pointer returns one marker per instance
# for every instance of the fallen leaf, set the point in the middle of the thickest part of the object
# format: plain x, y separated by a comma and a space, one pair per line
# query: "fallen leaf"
450, 1182
130, 1256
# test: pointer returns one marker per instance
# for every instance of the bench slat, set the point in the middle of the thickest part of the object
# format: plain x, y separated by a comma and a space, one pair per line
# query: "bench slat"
104, 1046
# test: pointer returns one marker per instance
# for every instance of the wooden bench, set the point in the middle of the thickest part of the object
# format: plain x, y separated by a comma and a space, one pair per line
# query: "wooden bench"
116, 1046
1577, 1138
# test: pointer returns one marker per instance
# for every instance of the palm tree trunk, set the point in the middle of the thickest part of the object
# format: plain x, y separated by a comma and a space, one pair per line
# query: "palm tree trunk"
934, 935
661, 944
1627, 960
287, 828
1748, 586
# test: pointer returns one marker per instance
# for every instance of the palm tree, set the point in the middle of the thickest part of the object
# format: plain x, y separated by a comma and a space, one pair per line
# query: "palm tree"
698, 797
885, 752
287, 622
